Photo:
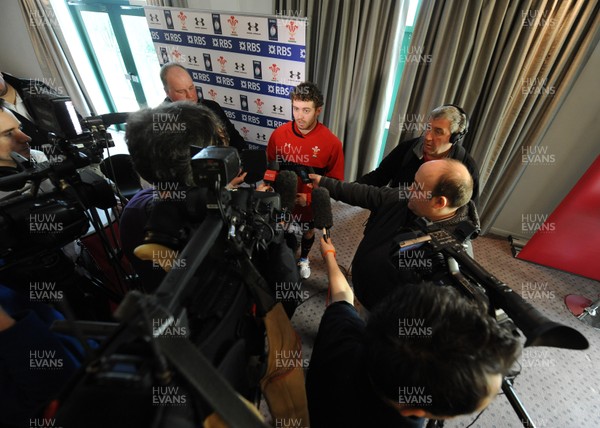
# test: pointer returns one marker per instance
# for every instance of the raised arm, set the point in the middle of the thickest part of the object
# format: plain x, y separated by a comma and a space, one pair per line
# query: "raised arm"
338, 285
360, 195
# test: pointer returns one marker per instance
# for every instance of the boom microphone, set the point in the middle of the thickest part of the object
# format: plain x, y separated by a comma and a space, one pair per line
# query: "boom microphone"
323, 217
286, 184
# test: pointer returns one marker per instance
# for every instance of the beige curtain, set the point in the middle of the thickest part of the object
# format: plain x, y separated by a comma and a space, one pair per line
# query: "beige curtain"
510, 65
352, 55
51, 51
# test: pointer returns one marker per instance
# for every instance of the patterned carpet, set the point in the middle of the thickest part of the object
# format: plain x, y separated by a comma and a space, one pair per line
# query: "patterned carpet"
558, 387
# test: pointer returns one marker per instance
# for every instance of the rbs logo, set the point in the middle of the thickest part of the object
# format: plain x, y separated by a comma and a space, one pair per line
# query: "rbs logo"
222, 43
201, 77
173, 37
196, 40
249, 47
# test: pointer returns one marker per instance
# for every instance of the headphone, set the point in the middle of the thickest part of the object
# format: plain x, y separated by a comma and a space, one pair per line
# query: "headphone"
457, 136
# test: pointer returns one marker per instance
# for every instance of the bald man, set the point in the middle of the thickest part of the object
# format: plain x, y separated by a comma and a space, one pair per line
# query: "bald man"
179, 86
441, 193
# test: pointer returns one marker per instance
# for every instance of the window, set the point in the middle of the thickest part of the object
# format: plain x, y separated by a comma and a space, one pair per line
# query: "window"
123, 70
408, 31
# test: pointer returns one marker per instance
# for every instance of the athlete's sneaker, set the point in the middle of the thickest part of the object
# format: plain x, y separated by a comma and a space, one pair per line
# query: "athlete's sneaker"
304, 268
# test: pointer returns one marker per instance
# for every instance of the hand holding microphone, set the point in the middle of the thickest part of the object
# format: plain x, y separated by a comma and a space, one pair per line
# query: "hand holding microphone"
301, 199
316, 179
236, 181
327, 248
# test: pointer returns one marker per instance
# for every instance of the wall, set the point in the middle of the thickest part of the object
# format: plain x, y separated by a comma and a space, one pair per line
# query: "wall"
573, 142
17, 56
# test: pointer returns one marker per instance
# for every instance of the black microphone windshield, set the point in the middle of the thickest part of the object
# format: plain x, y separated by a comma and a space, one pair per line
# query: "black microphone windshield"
273, 165
114, 118
286, 184
321, 204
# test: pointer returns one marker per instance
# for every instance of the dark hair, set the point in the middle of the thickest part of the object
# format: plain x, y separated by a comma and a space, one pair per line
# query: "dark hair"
449, 363
307, 91
457, 187
159, 139
164, 70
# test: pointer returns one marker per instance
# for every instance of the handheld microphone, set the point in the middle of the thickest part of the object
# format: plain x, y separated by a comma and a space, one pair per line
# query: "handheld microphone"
271, 172
286, 184
323, 217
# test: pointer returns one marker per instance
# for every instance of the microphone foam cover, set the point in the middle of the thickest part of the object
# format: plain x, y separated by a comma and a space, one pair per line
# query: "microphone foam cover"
273, 165
286, 184
321, 204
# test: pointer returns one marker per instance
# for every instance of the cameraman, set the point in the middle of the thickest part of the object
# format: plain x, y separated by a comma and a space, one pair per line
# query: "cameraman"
13, 139
16, 94
159, 141
386, 373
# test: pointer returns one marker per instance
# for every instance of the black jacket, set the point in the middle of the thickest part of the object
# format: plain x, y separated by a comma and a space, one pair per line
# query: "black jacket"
235, 139
399, 167
378, 266
338, 388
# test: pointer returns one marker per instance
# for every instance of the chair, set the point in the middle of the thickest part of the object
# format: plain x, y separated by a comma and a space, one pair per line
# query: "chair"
119, 169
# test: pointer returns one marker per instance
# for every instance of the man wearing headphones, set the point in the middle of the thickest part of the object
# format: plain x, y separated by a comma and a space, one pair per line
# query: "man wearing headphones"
448, 124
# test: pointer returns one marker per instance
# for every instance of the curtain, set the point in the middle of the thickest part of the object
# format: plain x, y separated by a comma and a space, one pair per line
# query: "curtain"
510, 65
54, 60
352, 55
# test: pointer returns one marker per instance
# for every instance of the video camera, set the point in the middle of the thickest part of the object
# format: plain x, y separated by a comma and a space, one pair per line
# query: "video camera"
32, 222
474, 281
218, 282
57, 116
50, 204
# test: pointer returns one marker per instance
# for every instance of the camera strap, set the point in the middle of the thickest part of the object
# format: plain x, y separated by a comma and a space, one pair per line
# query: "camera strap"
258, 287
204, 378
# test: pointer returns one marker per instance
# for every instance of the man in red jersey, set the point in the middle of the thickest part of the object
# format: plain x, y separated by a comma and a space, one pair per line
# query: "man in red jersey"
306, 142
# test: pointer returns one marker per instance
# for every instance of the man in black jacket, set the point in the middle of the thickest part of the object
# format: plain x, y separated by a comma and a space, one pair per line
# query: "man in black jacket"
179, 86
441, 193
448, 124
416, 357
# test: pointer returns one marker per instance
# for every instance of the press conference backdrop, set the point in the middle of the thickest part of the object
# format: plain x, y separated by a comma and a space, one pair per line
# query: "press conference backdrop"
248, 64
